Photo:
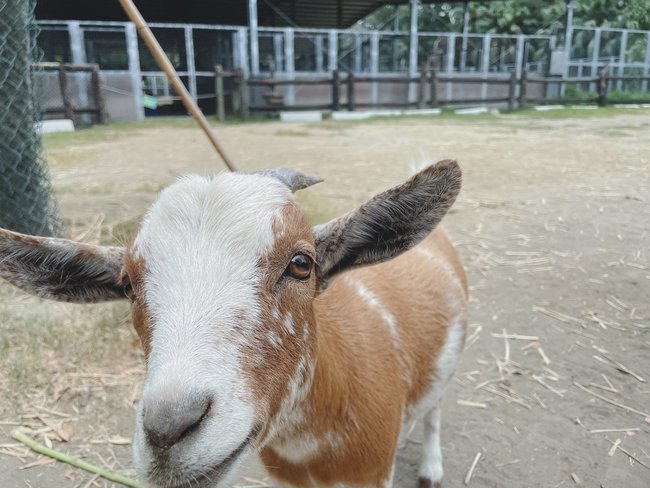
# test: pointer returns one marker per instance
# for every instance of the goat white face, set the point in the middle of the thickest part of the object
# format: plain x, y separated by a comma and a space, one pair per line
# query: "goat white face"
222, 275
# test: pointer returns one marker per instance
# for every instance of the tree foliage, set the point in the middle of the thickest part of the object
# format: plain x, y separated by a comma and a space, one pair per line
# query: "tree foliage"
515, 16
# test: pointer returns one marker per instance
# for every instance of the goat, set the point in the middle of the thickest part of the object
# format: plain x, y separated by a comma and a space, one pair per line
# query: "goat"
310, 346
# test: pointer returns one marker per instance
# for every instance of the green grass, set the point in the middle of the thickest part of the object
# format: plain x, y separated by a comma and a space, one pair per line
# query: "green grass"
615, 96
292, 133
573, 113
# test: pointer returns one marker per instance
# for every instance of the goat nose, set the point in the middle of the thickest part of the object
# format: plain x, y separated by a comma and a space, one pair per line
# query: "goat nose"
167, 422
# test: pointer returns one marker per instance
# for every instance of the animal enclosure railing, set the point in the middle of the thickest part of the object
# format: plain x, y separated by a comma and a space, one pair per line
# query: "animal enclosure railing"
73, 91
340, 92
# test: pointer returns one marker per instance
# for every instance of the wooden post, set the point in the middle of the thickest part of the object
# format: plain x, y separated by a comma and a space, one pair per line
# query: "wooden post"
512, 91
236, 91
433, 88
99, 98
218, 90
336, 90
244, 96
422, 88
522, 89
63, 83
602, 86
350, 82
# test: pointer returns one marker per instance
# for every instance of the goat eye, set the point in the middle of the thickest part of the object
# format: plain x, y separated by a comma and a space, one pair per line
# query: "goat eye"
300, 267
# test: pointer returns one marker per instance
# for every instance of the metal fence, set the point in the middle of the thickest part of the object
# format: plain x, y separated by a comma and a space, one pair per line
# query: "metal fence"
195, 49
292, 53
626, 52
25, 203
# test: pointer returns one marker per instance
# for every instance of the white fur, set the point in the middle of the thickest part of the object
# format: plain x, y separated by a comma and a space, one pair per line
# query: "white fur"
446, 363
375, 303
303, 446
201, 242
288, 325
431, 467
274, 338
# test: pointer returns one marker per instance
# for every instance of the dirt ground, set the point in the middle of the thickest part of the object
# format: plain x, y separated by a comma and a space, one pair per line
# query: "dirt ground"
553, 225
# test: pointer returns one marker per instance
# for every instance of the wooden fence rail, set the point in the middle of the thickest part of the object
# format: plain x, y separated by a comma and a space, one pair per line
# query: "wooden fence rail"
68, 109
428, 90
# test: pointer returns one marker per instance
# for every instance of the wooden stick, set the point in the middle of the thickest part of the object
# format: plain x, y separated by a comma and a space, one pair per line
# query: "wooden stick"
468, 477
161, 58
74, 461
612, 402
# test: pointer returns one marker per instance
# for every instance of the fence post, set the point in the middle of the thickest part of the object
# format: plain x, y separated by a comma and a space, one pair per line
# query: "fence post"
336, 90
97, 93
512, 91
433, 88
218, 90
602, 87
63, 82
350, 82
422, 87
244, 95
236, 92
522, 89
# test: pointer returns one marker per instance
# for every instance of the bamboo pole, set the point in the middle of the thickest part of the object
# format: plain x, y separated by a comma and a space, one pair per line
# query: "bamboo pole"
164, 63
74, 461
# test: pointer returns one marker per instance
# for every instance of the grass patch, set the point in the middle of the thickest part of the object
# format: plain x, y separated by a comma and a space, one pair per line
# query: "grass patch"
292, 133
573, 113
623, 96
119, 233
41, 342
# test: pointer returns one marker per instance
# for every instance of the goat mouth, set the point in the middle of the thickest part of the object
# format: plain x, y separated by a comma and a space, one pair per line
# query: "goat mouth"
210, 477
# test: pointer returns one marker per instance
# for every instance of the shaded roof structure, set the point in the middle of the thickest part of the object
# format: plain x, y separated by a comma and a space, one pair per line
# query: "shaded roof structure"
303, 13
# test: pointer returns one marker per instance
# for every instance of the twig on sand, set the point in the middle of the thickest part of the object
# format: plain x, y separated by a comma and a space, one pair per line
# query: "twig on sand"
616, 445
541, 381
612, 449
507, 397
545, 358
610, 388
469, 403
559, 316
612, 402
603, 431
515, 336
468, 477
74, 461
622, 368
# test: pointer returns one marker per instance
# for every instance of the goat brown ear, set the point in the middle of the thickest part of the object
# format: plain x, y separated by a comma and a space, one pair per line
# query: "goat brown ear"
389, 223
60, 269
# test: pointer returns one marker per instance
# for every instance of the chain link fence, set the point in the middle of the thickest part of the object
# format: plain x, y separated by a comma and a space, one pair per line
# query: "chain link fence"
26, 204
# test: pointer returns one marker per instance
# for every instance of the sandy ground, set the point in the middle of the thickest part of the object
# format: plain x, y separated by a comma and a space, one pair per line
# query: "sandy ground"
553, 225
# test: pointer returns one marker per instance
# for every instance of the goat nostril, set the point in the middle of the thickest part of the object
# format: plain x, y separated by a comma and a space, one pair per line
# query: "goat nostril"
167, 423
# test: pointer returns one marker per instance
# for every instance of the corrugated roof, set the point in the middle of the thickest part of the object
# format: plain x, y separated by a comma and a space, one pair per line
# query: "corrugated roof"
303, 13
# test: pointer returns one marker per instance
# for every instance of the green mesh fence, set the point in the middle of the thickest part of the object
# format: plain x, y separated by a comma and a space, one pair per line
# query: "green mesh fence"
25, 202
